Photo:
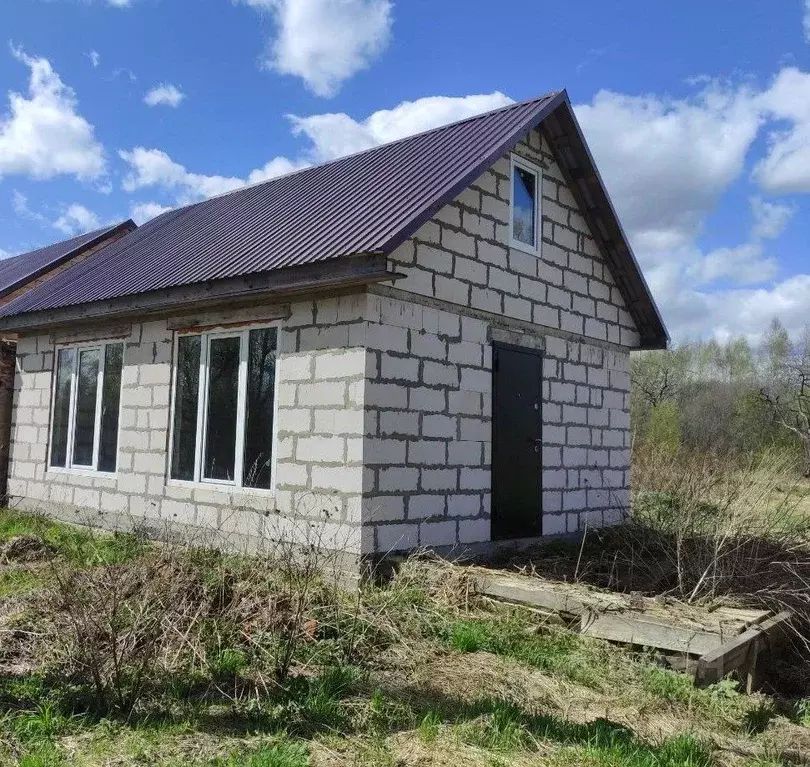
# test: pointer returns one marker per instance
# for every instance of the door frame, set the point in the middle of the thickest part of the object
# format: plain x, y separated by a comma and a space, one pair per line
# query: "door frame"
496, 345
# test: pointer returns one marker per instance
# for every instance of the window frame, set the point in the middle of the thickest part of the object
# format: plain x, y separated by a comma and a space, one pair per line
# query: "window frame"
207, 335
70, 468
537, 172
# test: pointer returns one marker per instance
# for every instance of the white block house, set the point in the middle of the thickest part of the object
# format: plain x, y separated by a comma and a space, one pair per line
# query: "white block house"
424, 344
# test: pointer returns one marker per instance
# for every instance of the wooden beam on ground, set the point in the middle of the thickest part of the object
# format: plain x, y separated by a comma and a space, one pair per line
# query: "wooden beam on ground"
740, 654
530, 591
639, 629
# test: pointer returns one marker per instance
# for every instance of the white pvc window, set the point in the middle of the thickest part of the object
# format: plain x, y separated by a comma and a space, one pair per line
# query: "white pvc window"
224, 408
85, 407
525, 206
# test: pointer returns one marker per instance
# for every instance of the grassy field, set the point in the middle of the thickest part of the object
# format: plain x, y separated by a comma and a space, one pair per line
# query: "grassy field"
117, 652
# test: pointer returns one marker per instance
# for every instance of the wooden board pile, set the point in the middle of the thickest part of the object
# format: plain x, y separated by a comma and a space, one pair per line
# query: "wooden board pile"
706, 642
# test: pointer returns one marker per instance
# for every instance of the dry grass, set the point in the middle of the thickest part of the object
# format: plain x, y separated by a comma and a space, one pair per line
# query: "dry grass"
217, 660
703, 529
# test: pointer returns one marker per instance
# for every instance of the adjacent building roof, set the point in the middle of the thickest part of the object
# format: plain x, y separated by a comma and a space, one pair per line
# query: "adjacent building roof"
367, 203
19, 270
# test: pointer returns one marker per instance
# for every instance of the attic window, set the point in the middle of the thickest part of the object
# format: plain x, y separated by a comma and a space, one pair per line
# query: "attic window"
525, 205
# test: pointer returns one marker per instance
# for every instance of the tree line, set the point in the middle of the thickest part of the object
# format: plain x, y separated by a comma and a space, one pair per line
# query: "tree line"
731, 396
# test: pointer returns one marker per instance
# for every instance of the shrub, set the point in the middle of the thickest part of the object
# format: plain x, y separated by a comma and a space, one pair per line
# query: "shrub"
705, 526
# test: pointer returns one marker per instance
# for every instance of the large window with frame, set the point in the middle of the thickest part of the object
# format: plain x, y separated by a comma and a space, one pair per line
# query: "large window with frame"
86, 401
224, 398
525, 207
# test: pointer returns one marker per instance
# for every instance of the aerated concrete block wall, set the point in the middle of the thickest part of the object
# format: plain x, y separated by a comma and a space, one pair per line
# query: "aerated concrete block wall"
429, 420
462, 257
430, 388
320, 423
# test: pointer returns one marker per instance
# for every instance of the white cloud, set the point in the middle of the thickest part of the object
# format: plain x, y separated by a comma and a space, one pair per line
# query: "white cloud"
325, 42
337, 134
123, 72
785, 169
119, 3
278, 166
770, 218
19, 203
141, 212
164, 95
95, 58
692, 313
76, 219
44, 135
742, 264
152, 167
667, 162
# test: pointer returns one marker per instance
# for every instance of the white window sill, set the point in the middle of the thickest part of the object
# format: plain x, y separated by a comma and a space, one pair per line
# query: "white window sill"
81, 472
524, 248
222, 487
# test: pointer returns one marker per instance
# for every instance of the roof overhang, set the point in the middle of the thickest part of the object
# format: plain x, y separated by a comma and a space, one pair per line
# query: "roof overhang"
563, 133
344, 273
112, 232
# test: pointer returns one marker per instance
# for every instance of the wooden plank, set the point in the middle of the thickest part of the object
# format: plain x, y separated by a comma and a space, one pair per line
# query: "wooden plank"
636, 628
742, 651
742, 615
206, 319
530, 591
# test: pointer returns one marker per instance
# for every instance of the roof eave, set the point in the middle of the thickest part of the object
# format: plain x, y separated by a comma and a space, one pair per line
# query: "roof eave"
351, 272
124, 227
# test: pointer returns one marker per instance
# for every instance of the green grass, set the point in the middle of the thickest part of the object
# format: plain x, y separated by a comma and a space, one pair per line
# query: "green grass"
554, 651
354, 697
17, 582
285, 753
42, 755
501, 726
802, 712
79, 546
598, 666
429, 727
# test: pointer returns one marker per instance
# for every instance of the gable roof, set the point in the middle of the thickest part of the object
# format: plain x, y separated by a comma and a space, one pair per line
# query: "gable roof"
16, 271
366, 203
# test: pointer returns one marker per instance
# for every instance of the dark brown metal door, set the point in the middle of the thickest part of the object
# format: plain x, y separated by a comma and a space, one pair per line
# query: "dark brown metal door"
517, 449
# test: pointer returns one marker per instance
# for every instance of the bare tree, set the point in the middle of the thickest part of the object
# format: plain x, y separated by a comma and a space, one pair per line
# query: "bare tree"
787, 392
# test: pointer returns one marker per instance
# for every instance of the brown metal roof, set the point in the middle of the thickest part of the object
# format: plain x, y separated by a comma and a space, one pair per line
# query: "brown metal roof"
365, 203
18, 270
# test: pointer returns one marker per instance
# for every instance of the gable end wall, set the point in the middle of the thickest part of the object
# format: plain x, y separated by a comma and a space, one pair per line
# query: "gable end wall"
428, 446
463, 256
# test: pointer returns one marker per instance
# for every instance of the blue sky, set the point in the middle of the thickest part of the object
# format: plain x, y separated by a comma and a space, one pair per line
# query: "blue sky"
698, 115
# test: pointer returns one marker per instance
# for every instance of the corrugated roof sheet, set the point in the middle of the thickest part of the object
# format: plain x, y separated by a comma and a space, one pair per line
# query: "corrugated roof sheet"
358, 204
18, 270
